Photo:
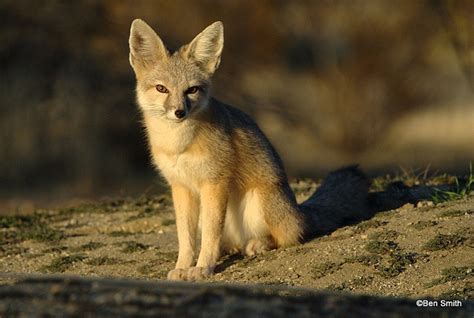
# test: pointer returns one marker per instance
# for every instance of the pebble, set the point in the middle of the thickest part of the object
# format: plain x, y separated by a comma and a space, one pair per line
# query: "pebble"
424, 203
407, 206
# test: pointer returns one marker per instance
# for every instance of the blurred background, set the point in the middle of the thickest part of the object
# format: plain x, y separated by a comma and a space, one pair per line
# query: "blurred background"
380, 83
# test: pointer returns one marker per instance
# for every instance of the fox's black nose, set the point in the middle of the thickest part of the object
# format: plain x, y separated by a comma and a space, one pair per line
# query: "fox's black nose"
180, 113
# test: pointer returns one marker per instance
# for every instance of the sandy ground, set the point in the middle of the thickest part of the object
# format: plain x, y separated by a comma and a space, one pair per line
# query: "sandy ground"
414, 251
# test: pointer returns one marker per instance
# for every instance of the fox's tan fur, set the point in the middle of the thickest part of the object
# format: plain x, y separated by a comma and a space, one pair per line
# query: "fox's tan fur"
223, 171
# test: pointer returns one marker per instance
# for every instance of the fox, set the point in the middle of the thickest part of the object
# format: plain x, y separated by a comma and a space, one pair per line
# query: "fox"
228, 184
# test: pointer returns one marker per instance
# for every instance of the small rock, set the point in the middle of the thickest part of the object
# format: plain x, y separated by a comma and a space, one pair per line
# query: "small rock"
424, 203
407, 206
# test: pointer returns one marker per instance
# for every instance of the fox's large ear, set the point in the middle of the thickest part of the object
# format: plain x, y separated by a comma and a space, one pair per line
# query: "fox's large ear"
206, 47
146, 47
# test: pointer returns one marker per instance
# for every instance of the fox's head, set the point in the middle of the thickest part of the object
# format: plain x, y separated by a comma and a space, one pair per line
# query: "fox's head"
174, 86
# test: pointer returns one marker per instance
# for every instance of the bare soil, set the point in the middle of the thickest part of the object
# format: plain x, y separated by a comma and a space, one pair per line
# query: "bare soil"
414, 251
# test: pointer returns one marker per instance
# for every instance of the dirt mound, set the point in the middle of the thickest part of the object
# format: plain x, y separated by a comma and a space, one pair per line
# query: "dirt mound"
422, 250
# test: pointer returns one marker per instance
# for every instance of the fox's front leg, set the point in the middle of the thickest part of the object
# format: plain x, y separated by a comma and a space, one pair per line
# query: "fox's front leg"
213, 208
186, 205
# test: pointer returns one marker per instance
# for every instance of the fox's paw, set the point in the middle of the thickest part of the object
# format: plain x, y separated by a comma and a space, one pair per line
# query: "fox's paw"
191, 273
177, 274
256, 246
198, 273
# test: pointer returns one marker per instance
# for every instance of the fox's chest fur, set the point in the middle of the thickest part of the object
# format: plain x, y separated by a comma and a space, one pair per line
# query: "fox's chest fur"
175, 154
184, 168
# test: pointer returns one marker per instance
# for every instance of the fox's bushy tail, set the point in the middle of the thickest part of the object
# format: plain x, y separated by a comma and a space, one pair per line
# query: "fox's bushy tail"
342, 199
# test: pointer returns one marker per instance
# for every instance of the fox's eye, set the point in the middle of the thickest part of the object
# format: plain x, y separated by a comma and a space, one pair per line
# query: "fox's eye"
161, 89
192, 90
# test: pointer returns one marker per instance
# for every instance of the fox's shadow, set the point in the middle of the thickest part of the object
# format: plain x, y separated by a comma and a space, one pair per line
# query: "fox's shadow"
396, 195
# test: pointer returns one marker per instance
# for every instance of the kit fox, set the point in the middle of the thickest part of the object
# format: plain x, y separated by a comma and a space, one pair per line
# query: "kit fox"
223, 172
